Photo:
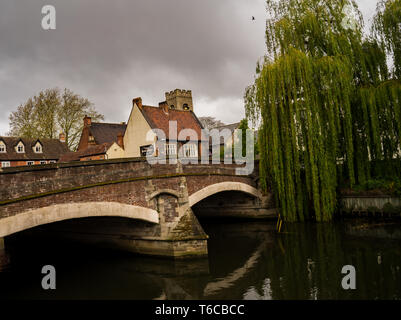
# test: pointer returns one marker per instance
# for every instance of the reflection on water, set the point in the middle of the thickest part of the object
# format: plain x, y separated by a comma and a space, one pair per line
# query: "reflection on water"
247, 260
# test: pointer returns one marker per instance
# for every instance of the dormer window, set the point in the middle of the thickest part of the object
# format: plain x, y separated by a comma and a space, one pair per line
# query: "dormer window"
20, 147
38, 148
3, 148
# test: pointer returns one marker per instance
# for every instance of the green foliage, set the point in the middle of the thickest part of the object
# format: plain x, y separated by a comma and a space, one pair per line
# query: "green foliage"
323, 96
50, 112
386, 186
387, 28
243, 126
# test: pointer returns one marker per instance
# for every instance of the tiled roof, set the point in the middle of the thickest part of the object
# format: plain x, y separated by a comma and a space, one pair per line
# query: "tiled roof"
52, 149
90, 151
158, 118
106, 132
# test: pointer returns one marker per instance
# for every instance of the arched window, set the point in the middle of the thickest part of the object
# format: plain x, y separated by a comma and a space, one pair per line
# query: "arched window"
172, 107
185, 106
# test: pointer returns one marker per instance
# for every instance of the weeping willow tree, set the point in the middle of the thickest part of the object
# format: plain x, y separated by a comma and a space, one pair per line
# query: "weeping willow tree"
323, 97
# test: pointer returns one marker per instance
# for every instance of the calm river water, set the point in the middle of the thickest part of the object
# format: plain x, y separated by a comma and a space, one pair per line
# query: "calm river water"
247, 260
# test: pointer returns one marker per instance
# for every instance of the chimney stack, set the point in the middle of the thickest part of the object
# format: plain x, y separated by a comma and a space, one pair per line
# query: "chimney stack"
138, 102
87, 121
163, 105
120, 140
62, 137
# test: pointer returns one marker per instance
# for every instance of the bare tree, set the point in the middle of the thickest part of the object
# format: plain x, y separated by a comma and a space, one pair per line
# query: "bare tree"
210, 122
50, 112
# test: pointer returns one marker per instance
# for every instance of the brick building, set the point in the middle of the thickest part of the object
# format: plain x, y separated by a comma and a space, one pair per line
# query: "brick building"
144, 120
138, 136
99, 141
16, 151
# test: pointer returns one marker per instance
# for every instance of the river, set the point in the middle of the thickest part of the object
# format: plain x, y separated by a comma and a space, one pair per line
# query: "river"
247, 260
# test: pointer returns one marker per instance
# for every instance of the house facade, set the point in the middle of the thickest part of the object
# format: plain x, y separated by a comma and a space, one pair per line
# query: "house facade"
15, 152
139, 136
98, 141
227, 137
180, 131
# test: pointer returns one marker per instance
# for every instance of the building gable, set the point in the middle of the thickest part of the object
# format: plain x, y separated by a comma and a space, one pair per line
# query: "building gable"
136, 133
37, 147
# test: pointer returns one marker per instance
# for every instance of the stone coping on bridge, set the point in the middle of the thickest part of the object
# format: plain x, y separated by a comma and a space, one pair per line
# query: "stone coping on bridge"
55, 166
58, 165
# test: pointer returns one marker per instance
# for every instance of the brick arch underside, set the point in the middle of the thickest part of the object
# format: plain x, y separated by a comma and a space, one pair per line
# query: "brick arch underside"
221, 187
60, 212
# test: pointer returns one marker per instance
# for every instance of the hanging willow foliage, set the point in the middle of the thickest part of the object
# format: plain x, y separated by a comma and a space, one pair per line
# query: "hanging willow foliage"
323, 97
387, 28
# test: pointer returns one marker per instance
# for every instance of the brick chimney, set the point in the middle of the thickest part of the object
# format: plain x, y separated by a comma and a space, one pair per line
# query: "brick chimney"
163, 105
120, 140
138, 102
87, 121
61, 137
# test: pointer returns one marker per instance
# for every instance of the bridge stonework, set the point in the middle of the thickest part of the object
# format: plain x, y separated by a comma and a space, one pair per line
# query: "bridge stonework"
157, 196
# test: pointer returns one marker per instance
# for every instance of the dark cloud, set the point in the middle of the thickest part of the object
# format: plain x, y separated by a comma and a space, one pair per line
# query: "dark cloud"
112, 51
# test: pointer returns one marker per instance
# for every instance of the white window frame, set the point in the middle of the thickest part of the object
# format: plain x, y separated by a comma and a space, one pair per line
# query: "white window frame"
35, 148
20, 145
5, 164
43, 162
52, 161
170, 149
3, 148
146, 148
30, 163
190, 150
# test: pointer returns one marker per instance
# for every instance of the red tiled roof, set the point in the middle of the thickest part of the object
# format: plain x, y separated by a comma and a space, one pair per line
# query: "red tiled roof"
52, 149
90, 151
158, 118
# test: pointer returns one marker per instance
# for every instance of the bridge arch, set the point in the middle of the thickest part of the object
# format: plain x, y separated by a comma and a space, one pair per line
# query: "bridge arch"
164, 191
36, 217
220, 187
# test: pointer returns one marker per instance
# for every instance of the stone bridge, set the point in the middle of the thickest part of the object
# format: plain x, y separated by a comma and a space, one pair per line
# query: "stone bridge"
156, 201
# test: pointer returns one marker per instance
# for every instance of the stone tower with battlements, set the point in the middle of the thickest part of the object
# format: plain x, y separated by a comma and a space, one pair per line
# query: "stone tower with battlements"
180, 100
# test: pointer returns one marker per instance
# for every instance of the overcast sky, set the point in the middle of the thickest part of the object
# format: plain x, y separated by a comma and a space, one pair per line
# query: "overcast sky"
113, 51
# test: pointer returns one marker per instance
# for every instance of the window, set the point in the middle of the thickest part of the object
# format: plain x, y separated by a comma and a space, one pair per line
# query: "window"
43, 162
190, 150
20, 148
2, 147
5, 164
172, 107
30, 163
38, 148
52, 161
170, 149
185, 107
145, 150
